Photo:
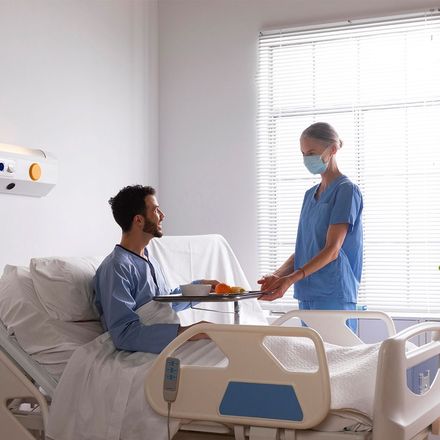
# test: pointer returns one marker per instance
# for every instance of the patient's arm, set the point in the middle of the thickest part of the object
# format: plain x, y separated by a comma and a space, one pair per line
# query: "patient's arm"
196, 337
121, 320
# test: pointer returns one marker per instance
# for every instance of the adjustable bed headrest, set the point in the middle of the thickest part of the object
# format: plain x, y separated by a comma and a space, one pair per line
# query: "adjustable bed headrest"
47, 340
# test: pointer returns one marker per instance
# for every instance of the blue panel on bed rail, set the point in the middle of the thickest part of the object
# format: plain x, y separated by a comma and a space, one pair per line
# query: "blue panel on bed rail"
266, 401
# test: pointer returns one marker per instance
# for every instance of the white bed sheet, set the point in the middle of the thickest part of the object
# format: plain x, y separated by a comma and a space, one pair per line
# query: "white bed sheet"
188, 258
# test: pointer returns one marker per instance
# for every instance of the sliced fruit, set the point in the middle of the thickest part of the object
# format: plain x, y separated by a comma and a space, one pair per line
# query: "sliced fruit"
237, 289
222, 288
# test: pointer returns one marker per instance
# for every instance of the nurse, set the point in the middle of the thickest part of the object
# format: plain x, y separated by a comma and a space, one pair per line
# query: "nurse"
327, 264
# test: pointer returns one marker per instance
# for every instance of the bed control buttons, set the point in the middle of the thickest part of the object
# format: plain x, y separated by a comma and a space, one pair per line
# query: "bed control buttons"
10, 168
171, 379
2, 166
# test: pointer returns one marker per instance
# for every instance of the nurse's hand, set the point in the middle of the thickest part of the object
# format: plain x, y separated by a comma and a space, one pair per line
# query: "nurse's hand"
267, 282
280, 287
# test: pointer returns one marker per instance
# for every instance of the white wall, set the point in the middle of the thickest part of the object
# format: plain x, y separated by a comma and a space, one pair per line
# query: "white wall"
207, 64
79, 79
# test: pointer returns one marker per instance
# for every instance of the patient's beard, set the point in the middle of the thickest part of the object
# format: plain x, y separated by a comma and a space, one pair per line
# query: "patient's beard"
152, 228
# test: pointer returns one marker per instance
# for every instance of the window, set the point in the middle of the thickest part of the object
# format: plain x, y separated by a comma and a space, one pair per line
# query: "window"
378, 84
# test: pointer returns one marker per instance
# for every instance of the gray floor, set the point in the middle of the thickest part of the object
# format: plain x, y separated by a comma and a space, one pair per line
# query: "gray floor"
182, 435
187, 435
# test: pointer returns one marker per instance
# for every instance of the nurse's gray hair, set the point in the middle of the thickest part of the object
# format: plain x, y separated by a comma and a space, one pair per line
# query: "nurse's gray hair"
323, 132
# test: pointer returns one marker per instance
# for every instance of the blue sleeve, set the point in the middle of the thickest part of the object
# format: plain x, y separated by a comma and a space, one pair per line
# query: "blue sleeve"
125, 328
179, 306
348, 205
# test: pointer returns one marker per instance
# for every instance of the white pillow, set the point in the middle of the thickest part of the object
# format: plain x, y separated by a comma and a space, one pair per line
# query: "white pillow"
18, 301
49, 341
64, 286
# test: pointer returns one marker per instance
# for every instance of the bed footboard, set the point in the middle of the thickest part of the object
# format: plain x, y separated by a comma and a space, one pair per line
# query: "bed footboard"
331, 323
232, 394
399, 414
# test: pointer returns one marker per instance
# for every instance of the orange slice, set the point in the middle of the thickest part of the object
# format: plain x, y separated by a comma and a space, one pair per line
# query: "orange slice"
222, 288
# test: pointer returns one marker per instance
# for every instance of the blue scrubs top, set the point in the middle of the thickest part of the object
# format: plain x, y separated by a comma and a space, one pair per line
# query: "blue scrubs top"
339, 280
124, 282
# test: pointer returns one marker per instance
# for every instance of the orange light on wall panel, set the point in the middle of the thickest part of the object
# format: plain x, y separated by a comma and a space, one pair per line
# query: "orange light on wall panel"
35, 171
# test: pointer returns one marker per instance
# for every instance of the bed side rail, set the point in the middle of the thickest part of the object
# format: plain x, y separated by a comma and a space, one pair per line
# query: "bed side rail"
204, 391
15, 385
25, 362
330, 324
399, 414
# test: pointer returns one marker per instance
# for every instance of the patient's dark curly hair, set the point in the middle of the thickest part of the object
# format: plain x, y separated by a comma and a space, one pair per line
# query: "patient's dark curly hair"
130, 201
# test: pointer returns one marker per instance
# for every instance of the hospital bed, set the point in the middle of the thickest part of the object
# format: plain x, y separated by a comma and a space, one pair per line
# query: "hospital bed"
28, 381
398, 412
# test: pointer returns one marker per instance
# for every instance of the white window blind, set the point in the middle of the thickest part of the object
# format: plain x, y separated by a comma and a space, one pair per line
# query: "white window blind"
378, 84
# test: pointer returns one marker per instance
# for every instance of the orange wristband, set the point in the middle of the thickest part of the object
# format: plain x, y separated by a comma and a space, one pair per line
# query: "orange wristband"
303, 272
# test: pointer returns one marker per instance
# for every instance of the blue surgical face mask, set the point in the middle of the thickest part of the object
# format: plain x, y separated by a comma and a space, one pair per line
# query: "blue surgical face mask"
315, 164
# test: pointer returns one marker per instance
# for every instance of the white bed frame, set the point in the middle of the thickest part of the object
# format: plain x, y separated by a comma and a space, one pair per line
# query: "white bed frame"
24, 409
398, 413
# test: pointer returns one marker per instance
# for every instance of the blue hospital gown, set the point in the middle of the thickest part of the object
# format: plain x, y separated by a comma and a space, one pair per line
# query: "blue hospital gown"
124, 282
339, 280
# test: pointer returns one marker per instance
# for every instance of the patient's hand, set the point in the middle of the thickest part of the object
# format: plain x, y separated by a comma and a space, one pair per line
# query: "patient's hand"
213, 283
198, 336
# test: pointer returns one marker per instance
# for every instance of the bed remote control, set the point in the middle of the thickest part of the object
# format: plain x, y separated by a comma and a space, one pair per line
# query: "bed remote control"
171, 379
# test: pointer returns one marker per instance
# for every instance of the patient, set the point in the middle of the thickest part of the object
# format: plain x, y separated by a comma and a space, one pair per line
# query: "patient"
129, 278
